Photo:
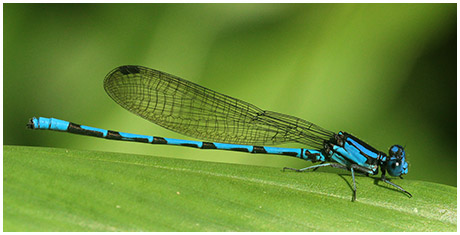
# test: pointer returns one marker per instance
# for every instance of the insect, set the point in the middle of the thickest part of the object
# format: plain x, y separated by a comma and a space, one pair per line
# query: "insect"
231, 124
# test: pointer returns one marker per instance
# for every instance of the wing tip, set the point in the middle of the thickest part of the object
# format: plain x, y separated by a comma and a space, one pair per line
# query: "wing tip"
129, 69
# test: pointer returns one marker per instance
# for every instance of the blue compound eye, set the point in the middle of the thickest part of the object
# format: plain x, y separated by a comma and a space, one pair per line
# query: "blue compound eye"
397, 151
396, 164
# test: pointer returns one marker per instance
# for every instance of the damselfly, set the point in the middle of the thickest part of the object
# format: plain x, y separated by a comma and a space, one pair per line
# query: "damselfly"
232, 124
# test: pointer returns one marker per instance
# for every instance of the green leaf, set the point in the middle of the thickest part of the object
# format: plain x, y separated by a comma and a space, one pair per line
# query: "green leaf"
47, 189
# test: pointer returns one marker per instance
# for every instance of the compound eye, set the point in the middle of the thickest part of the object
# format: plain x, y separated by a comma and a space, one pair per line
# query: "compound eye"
396, 163
397, 151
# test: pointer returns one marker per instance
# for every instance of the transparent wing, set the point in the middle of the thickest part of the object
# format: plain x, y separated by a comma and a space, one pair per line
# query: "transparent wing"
190, 109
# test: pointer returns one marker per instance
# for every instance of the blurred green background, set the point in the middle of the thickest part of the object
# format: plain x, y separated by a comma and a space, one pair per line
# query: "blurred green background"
383, 72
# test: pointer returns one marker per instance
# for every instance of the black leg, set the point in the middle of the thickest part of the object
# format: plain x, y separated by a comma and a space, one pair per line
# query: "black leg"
354, 184
335, 165
384, 179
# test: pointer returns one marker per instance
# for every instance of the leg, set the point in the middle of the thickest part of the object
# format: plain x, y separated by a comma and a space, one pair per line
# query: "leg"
318, 167
394, 185
335, 165
354, 184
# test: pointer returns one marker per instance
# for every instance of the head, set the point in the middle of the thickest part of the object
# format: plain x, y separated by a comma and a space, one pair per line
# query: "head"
396, 164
